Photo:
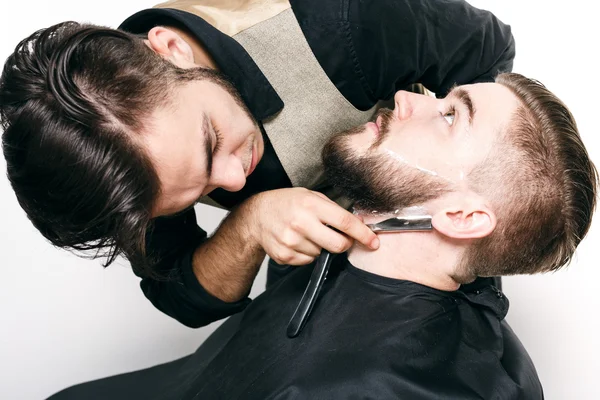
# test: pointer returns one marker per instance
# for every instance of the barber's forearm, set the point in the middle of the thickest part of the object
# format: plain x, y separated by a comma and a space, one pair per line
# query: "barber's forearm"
227, 263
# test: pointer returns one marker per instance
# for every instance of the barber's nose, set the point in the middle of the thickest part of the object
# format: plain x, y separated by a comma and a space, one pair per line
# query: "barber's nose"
229, 176
403, 101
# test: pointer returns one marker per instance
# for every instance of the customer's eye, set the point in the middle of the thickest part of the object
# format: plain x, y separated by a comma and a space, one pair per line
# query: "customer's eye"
449, 116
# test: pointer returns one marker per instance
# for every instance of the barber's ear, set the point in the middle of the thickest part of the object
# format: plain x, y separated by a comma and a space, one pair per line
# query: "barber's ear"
170, 45
465, 222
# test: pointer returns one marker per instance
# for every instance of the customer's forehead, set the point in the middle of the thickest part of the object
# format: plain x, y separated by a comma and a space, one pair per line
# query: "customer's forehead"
495, 105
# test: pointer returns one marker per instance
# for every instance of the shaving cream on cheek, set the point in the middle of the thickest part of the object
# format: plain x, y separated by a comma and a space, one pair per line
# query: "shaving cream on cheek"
420, 168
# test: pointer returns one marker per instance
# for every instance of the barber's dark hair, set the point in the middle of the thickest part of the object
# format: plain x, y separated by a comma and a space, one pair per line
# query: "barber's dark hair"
73, 99
541, 183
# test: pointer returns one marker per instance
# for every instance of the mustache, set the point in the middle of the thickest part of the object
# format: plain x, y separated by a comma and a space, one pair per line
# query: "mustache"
376, 182
387, 116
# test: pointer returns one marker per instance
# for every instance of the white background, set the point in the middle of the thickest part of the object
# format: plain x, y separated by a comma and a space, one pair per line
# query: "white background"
64, 320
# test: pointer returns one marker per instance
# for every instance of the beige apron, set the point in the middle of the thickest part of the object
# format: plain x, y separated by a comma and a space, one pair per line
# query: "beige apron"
314, 109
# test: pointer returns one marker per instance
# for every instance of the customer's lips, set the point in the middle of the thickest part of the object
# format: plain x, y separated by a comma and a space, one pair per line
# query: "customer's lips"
374, 127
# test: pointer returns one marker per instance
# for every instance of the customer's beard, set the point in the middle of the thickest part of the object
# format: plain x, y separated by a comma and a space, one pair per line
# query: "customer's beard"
377, 182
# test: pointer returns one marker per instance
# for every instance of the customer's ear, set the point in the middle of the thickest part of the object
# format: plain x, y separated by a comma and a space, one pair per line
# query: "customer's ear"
471, 219
171, 46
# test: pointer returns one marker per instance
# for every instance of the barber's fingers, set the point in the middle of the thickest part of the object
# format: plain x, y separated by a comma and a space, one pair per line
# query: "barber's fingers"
308, 248
293, 258
291, 241
304, 253
324, 237
321, 195
348, 223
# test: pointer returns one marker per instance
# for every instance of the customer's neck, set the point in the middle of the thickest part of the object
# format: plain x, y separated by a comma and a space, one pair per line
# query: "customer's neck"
421, 257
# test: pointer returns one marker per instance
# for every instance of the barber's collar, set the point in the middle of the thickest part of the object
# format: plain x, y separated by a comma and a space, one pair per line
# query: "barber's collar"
230, 56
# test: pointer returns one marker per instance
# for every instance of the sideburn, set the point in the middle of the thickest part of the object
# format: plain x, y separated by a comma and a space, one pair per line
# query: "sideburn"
218, 79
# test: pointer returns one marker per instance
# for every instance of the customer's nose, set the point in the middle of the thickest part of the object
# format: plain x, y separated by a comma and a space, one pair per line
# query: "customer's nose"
403, 107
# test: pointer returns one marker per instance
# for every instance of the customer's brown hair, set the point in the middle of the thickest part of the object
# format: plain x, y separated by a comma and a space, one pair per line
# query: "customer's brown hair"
542, 185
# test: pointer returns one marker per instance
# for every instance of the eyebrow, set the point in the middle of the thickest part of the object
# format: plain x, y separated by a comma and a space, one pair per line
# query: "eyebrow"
207, 145
463, 96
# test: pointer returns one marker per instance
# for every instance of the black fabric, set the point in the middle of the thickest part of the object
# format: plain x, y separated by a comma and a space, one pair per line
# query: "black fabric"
276, 271
371, 49
371, 337
176, 291
143, 384
368, 49
159, 382
368, 337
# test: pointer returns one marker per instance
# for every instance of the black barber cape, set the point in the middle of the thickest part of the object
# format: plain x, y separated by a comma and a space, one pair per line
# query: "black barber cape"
368, 337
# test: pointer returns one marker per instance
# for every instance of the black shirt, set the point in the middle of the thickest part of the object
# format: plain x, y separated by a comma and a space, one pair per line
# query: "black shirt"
369, 50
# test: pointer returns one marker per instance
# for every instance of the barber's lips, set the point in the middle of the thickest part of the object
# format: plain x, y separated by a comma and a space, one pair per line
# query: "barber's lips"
254, 160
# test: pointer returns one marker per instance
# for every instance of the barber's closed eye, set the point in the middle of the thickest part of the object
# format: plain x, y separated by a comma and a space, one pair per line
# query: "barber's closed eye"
218, 139
449, 116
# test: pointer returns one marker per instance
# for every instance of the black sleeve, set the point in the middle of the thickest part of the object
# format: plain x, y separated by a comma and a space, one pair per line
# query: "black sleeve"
371, 48
436, 43
175, 290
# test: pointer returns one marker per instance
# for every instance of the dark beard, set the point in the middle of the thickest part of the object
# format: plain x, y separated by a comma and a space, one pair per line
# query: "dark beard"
375, 182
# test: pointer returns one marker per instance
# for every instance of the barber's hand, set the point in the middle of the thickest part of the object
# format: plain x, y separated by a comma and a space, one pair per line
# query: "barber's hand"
290, 225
